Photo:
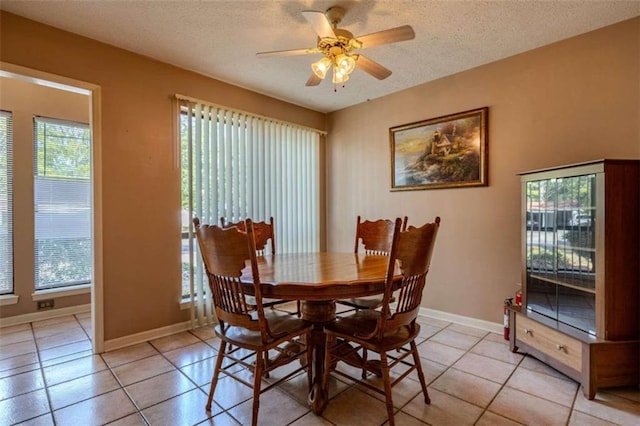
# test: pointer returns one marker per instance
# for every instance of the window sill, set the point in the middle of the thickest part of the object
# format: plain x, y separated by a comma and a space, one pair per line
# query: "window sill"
185, 304
54, 293
8, 299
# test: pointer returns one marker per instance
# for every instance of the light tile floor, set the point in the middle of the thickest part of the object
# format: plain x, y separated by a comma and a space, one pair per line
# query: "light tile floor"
48, 375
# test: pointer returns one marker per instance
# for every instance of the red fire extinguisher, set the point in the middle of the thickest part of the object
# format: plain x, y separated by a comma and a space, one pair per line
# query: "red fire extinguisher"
507, 302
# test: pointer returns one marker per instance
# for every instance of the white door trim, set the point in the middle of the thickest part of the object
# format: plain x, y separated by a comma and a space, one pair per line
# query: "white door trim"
94, 91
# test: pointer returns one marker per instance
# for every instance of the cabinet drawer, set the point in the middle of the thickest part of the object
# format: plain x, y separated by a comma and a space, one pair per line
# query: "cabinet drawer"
557, 345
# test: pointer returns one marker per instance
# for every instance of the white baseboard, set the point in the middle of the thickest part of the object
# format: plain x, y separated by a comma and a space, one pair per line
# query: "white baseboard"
133, 339
44, 315
493, 327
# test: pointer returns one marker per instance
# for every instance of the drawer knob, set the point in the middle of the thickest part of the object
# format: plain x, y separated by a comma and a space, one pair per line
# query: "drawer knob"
527, 331
560, 347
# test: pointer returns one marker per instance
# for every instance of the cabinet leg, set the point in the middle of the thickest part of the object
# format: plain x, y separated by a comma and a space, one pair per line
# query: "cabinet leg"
589, 392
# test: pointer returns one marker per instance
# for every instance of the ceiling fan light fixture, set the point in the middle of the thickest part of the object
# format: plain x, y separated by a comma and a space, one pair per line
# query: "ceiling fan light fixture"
321, 67
345, 63
339, 77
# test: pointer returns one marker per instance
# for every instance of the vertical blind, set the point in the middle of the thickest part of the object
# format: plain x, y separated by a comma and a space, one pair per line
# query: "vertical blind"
6, 200
237, 165
62, 192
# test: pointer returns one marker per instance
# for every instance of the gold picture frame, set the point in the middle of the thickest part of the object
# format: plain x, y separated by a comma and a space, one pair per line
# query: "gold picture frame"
443, 152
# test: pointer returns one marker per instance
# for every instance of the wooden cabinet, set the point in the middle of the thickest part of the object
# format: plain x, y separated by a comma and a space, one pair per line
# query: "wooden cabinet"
581, 272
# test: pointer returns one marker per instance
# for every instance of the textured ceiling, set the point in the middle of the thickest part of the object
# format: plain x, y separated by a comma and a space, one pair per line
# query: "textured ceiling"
220, 38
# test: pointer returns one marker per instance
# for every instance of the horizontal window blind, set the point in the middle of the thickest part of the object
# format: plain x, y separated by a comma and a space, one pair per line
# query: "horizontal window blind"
237, 165
62, 192
6, 200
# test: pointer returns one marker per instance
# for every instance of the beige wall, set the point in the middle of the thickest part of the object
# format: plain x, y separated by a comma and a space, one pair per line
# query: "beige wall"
25, 100
572, 101
141, 185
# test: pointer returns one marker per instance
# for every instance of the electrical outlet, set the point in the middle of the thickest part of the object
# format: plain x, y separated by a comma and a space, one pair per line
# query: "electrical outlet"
45, 304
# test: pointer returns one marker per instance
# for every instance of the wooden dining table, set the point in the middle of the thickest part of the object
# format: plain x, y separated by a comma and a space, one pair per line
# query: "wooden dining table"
318, 280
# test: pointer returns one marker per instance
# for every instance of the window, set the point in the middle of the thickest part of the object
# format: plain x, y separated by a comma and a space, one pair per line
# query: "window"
241, 166
62, 192
6, 211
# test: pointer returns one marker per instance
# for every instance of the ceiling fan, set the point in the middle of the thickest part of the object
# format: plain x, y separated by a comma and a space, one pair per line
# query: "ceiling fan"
337, 46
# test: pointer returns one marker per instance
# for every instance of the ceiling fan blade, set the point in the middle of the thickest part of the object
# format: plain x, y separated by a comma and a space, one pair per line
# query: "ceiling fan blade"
372, 67
319, 22
391, 35
314, 80
290, 52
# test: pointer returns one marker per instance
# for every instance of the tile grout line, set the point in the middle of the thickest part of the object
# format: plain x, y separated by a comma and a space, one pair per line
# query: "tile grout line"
502, 386
83, 329
226, 376
115, 376
95, 396
179, 371
44, 380
208, 384
400, 409
124, 387
573, 403
518, 365
192, 381
469, 350
66, 381
197, 387
449, 367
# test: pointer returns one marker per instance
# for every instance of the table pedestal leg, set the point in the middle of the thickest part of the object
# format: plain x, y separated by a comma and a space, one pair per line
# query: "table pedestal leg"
319, 313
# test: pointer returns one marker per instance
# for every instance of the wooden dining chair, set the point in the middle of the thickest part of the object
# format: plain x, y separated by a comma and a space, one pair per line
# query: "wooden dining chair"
392, 330
376, 238
247, 332
264, 234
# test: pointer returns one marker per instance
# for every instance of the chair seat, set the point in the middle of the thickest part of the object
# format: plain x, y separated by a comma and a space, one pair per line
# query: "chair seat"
266, 303
280, 323
365, 302
363, 323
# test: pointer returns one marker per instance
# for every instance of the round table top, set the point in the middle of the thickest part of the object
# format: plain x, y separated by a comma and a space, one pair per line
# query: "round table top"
321, 276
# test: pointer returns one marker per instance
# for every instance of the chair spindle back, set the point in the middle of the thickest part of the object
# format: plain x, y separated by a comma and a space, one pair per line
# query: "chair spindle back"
376, 236
262, 231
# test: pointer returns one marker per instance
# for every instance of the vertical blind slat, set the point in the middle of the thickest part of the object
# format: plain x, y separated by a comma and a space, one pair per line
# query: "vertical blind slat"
279, 181
207, 163
197, 173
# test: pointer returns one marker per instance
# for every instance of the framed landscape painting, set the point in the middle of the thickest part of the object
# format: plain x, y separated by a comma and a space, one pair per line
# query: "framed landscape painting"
442, 152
